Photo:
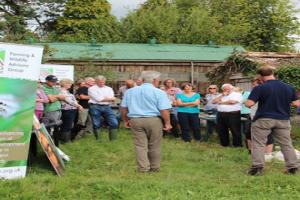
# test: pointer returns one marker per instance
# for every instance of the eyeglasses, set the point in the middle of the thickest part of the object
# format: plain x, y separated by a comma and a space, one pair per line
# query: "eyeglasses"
212, 88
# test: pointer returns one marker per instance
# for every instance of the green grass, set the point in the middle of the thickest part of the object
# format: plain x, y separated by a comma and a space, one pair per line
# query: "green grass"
107, 170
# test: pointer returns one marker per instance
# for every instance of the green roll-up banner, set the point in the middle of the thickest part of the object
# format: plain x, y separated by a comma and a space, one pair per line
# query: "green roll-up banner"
19, 72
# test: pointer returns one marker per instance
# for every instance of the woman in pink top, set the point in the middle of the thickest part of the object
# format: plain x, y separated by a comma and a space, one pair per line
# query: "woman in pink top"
41, 98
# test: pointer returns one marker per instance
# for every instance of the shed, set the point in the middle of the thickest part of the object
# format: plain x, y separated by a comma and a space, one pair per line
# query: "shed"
182, 62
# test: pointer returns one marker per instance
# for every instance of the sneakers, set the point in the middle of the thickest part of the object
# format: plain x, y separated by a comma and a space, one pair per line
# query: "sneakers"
255, 171
291, 171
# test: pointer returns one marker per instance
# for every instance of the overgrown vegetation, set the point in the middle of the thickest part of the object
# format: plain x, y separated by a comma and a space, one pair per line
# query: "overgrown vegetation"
107, 170
234, 64
290, 74
237, 63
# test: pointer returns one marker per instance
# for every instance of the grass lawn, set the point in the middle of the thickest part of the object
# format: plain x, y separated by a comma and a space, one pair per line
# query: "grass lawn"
107, 170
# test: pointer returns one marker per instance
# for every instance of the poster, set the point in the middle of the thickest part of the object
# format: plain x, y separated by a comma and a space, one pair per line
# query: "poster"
60, 71
49, 147
19, 72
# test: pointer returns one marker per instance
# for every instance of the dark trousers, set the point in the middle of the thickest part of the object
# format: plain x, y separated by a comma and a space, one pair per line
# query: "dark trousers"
211, 125
68, 118
174, 122
52, 121
246, 126
32, 153
189, 121
229, 121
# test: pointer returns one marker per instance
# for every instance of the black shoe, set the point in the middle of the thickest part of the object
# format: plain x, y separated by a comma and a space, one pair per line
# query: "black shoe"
292, 171
154, 170
255, 171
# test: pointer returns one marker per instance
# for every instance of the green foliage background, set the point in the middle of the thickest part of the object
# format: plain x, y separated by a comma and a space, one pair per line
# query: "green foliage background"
290, 74
82, 22
257, 25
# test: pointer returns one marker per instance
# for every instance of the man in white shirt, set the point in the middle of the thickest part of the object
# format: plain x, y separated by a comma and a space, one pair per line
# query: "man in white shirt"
229, 115
101, 97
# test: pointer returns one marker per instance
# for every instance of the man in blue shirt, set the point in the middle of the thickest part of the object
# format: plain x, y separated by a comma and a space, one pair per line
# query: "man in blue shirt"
142, 109
274, 99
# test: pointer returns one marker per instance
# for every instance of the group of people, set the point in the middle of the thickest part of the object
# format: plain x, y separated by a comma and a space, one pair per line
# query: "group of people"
69, 116
151, 111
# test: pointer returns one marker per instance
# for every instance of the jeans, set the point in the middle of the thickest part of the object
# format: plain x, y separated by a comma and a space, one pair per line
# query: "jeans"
189, 121
97, 111
211, 125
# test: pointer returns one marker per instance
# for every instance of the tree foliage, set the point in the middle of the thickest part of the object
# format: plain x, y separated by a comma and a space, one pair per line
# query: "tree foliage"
15, 13
289, 74
159, 22
258, 25
46, 14
82, 22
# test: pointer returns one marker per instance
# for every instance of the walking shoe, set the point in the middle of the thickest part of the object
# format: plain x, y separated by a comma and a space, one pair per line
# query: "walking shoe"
291, 171
255, 171
154, 170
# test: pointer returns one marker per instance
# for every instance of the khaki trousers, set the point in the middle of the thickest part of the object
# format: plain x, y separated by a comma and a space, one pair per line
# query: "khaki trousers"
147, 134
84, 119
260, 129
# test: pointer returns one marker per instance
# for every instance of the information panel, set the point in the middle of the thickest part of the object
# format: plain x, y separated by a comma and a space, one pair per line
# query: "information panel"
60, 71
19, 72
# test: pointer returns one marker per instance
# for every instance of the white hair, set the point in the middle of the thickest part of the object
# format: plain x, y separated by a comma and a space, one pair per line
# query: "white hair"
149, 76
227, 85
89, 79
100, 77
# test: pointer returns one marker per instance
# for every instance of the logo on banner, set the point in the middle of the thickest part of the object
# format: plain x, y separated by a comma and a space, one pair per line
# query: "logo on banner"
2, 56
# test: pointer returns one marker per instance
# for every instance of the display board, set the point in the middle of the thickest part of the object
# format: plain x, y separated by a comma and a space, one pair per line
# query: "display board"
19, 72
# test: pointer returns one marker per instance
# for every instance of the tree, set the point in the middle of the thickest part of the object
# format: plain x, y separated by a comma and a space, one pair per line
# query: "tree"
46, 14
159, 23
271, 24
197, 27
152, 4
15, 13
82, 22
259, 25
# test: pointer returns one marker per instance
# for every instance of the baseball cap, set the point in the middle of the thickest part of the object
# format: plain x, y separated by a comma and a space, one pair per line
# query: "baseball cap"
51, 78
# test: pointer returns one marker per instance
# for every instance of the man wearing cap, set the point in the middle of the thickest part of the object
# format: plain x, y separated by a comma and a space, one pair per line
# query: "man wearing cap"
52, 111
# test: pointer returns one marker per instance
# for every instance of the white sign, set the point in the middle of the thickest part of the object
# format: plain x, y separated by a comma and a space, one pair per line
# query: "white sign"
60, 71
20, 61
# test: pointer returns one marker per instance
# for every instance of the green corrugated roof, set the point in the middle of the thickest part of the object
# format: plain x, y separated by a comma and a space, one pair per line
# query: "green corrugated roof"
128, 51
